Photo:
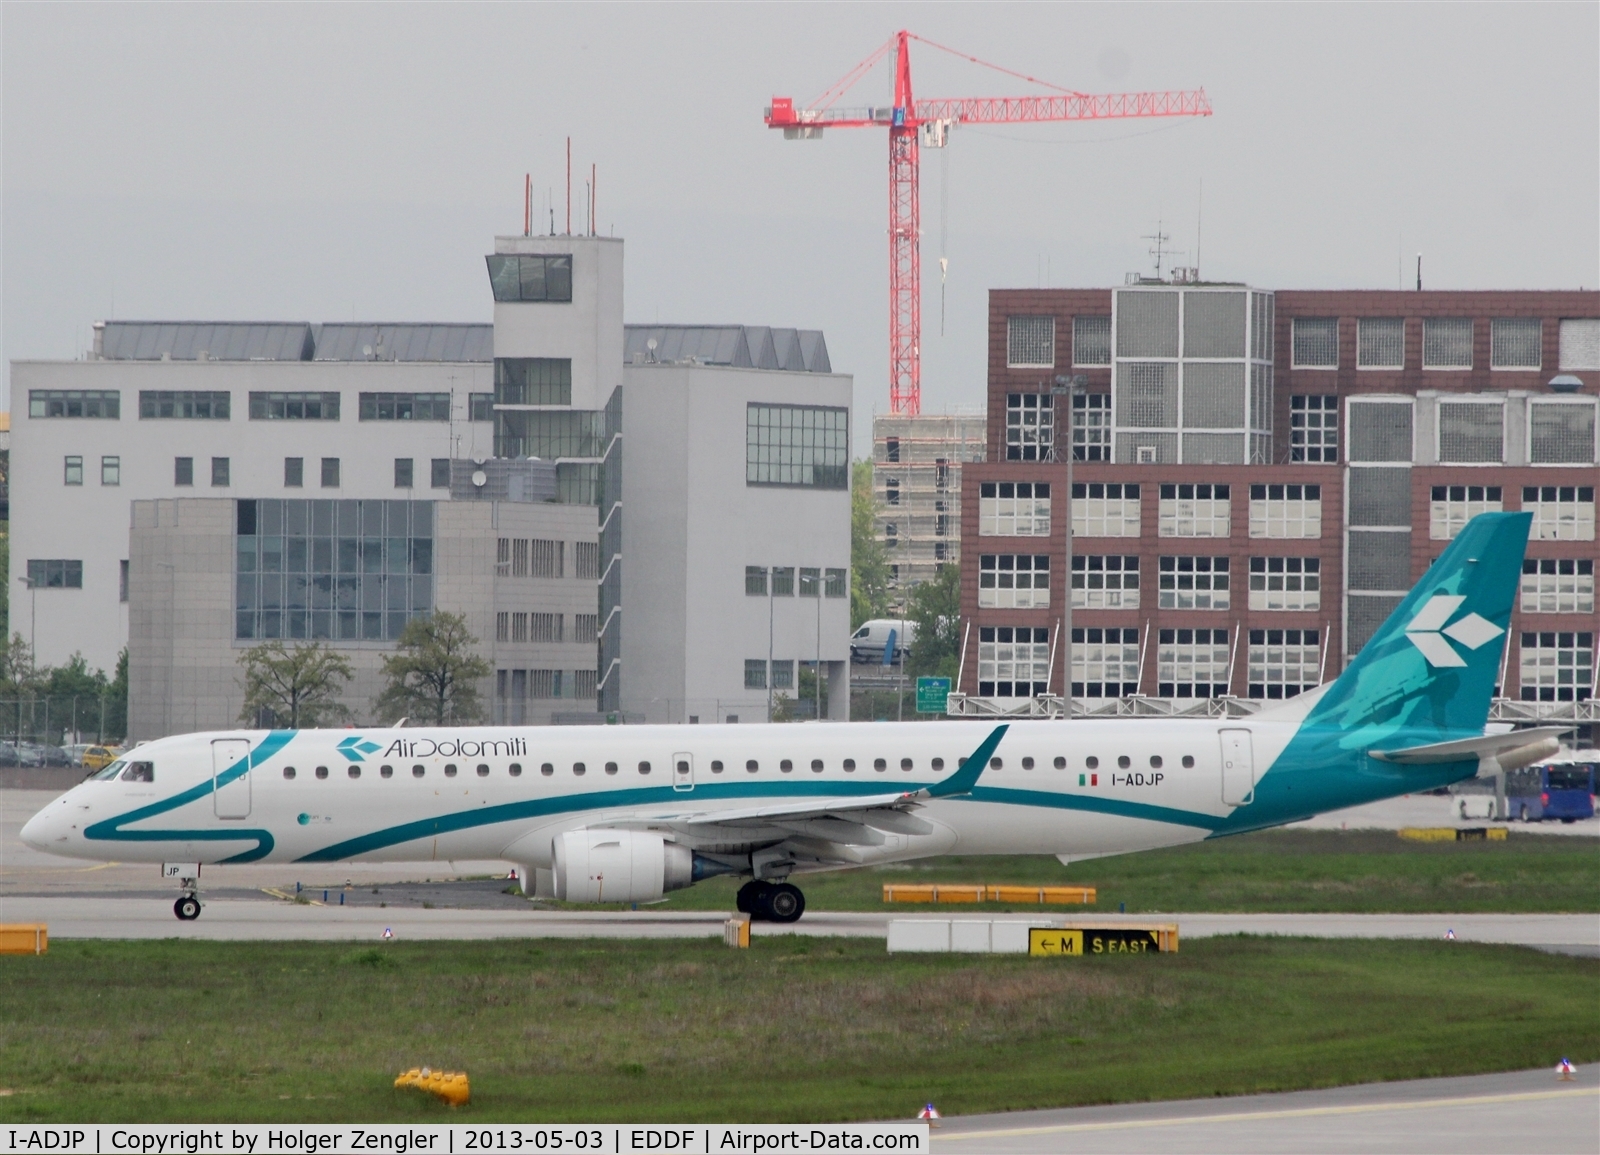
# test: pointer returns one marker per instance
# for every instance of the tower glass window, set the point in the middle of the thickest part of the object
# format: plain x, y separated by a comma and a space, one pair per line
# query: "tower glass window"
531, 277
531, 381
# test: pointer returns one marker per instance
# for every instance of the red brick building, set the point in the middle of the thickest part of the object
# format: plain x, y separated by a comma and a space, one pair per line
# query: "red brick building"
1258, 478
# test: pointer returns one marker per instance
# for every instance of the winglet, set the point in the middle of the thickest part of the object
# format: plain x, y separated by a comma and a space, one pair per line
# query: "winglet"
964, 779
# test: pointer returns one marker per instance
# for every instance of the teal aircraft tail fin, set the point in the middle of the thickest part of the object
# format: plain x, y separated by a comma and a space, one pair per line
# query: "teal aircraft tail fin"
1432, 666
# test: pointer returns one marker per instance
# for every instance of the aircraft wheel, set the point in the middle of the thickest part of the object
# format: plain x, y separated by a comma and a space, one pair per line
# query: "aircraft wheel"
187, 908
784, 903
748, 900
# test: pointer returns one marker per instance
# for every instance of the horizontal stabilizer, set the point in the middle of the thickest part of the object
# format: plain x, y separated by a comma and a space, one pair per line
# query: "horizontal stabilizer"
1460, 750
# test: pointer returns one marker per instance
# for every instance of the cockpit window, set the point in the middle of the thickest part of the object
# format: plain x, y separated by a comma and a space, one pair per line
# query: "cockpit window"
140, 772
110, 771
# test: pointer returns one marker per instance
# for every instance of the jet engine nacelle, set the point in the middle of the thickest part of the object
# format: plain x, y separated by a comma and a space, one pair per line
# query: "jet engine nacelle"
618, 866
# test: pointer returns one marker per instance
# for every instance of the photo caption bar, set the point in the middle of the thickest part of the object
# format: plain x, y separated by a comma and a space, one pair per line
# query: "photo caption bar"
453, 1139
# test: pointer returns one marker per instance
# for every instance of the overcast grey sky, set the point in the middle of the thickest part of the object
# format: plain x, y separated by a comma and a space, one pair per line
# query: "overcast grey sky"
327, 162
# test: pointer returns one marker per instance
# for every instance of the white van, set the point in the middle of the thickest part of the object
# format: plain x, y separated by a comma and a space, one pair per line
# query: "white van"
867, 643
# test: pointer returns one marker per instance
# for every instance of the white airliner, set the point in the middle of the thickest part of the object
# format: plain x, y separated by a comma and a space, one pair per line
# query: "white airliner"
626, 813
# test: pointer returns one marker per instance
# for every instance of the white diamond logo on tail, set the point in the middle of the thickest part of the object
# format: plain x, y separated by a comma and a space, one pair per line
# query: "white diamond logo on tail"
1428, 631
1473, 631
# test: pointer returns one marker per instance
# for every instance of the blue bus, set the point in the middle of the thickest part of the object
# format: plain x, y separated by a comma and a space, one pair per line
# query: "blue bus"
1560, 788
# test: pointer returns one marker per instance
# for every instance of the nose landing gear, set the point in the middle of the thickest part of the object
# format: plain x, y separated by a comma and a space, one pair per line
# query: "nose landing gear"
771, 902
187, 908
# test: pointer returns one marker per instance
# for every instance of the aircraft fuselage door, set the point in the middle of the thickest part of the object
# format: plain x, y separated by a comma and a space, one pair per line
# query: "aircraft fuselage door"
1238, 767
230, 784
683, 771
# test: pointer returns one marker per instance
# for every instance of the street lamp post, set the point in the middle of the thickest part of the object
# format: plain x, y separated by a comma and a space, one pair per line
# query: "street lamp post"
1064, 389
33, 617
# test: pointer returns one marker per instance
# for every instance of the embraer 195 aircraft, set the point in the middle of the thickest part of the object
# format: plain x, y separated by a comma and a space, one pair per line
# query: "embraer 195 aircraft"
626, 813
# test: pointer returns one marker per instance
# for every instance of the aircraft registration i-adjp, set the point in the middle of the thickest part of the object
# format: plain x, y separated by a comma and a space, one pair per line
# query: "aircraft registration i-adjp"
627, 813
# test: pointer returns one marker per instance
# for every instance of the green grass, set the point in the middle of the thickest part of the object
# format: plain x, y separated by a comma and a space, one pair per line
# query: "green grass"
790, 1030
1275, 870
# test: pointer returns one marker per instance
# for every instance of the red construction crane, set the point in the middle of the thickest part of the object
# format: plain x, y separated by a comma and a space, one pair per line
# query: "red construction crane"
906, 119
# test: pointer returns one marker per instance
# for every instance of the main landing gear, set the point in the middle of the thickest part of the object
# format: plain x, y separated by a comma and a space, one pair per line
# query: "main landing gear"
771, 902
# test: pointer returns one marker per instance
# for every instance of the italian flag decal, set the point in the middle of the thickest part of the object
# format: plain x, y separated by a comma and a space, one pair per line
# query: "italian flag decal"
1088, 779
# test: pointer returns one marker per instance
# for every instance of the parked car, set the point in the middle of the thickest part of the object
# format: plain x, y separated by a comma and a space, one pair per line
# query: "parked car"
39, 754
99, 757
867, 643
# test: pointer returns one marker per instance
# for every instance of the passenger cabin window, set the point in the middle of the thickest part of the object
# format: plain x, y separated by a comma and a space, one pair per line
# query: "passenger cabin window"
1027, 763
547, 769
1060, 763
611, 767
140, 772
1188, 761
644, 767
879, 765
816, 765
752, 766
849, 765
1124, 762
288, 772
450, 770
1092, 762
716, 767
995, 763
786, 766
905, 763
579, 769
483, 770
322, 771
417, 772
354, 771
937, 764
386, 771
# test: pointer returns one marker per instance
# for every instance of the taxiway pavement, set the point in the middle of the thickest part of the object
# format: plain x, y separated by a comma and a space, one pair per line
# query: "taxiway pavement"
1474, 1115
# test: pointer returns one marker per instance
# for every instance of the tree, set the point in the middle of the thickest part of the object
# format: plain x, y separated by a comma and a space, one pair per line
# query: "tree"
435, 675
298, 687
117, 700
869, 561
936, 608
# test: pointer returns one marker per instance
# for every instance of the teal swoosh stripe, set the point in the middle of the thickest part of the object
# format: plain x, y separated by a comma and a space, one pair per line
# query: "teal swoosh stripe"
656, 795
111, 830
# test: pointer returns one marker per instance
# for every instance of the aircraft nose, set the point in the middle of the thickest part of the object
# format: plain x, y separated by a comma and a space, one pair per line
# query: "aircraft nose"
43, 828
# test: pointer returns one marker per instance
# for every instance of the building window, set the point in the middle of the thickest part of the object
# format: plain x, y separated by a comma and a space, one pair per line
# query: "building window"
1447, 342
530, 381
439, 475
1283, 663
550, 434
1380, 343
1030, 426
1013, 581
294, 406
1553, 585
755, 674
183, 403
1105, 510
585, 628
1561, 433
1560, 512
1579, 343
75, 403
219, 472
1031, 342
404, 407
1013, 662
891, 491
1314, 428
544, 683
783, 675
1091, 340
1452, 506
55, 574
72, 470
546, 277
1285, 583
1195, 511
1315, 343
810, 582
783, 581
330, 473
586, 560
326, 569
1514, 343
1014, 509
547, 558
1105, 663
502, 630
836, 583
294, 472
1194, 583
1380, 431
1286, 511
122, 580
755, 581
402, 473
1091, 427
111, 471
480, 406
1105, 582
544, 627
183, 471
891, 535
519, 627
583, 685
1471, 433
804, 445
891, 449
1192, 663
1557, 667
